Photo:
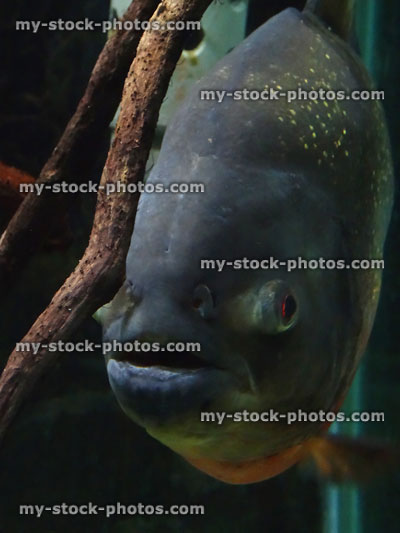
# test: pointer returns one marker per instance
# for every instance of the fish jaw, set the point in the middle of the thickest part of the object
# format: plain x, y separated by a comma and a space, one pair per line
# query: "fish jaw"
152, 395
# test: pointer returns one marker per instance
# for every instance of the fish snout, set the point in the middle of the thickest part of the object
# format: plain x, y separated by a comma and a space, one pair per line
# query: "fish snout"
162, 332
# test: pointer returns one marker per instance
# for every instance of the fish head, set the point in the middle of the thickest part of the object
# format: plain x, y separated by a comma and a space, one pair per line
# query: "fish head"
268, 339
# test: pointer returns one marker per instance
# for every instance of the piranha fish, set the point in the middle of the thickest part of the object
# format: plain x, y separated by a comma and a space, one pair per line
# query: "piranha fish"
310, 179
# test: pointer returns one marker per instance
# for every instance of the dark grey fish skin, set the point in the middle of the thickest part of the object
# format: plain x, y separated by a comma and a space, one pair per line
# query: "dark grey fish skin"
307, 179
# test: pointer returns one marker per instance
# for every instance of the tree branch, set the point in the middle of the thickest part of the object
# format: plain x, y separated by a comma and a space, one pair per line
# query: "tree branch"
76, 151
100, 271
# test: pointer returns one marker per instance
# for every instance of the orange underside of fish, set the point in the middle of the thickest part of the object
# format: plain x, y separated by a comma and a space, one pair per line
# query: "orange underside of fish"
251, 471
257, 470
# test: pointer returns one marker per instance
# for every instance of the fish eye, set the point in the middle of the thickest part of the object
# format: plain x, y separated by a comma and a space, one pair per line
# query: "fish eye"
277, 308
268, 309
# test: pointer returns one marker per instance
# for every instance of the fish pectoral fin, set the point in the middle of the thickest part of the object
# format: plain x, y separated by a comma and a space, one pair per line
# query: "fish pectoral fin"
345, 459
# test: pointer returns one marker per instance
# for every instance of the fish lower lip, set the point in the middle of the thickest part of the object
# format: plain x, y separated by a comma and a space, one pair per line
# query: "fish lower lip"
156, 394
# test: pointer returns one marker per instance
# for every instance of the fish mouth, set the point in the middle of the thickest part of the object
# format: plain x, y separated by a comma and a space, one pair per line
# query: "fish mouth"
161, 387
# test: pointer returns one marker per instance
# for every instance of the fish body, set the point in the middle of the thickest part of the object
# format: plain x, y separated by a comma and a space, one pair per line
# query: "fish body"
307, 179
